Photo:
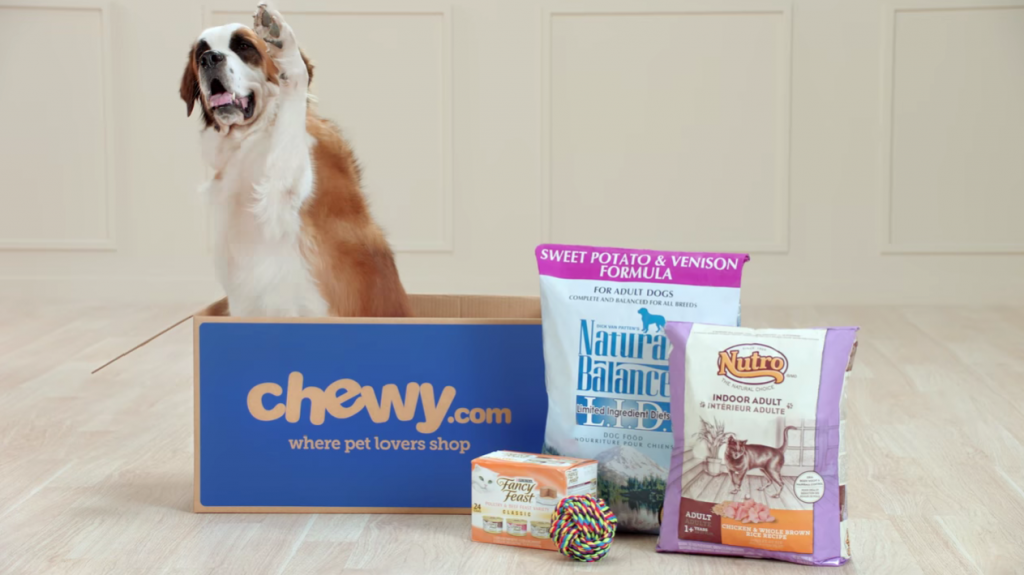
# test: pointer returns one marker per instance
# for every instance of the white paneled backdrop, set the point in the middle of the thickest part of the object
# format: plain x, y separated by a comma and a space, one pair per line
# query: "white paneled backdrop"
860, 151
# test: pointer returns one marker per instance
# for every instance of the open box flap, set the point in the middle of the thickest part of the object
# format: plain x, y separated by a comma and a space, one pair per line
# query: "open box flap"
475, 306
423, 306
446, 306
217, 308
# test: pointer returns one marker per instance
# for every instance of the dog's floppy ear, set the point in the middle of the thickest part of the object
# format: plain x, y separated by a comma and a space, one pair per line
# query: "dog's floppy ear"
189, 83
309, 65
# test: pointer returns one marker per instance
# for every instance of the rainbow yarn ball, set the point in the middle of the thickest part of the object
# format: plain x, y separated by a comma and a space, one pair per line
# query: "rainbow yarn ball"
583, 527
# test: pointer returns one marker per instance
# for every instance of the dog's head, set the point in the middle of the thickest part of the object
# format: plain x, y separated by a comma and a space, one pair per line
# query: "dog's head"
232, 75
735, 448
643, 311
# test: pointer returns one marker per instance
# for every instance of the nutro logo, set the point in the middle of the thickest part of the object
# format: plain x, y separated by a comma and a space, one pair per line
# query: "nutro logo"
753, 364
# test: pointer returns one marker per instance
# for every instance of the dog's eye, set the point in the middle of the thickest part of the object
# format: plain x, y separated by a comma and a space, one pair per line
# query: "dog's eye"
244, 45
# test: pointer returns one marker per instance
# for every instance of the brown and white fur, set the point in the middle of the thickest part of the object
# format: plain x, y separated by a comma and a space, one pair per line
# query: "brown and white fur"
293, 233
740, 458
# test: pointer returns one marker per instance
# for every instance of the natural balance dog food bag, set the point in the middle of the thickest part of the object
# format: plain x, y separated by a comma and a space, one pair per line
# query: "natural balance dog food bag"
604, 312
514, 495
759, 464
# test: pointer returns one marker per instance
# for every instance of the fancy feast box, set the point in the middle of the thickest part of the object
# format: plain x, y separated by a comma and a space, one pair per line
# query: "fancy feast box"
515, 494
363, 415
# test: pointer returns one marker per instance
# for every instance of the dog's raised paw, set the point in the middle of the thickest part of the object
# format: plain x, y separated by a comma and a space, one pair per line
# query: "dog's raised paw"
268, 21
269, 25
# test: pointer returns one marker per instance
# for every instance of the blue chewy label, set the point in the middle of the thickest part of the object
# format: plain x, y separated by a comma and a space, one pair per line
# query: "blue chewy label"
361, 415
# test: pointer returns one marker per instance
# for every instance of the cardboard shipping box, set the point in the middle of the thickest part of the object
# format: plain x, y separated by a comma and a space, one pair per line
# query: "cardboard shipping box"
363, 415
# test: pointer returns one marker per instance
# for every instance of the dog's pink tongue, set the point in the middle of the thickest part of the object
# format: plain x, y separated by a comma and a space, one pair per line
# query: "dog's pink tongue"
243, 102
220, 99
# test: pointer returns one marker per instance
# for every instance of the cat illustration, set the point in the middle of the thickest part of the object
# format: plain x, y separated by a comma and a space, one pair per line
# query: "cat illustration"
741, 458
484, 480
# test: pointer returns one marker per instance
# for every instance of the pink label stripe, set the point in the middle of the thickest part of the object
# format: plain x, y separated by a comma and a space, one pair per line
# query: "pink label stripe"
645, 266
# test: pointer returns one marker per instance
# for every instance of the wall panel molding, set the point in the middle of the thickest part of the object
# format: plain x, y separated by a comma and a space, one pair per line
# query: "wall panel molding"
444, 243
780, 218
888, 245
109, 241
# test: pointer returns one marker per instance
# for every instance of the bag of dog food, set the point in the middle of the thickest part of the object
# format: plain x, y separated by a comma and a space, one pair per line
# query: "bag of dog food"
759, 463
606, 358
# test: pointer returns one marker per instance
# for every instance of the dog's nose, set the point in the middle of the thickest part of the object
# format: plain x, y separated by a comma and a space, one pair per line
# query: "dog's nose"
210, 59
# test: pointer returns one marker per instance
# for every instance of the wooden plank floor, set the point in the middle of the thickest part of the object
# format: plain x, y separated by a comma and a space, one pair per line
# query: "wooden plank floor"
96, 471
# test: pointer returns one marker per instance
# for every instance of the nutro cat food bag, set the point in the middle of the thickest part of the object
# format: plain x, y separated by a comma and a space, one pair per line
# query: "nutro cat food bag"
604, 313
759, 463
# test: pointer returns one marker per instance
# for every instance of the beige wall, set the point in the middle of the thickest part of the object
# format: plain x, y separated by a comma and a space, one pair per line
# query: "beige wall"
860, 151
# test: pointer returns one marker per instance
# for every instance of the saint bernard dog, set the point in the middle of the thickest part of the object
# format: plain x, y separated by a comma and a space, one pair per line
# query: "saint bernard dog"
293, 234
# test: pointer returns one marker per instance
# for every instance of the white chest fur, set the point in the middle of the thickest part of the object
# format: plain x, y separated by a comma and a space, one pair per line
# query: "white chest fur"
258, 236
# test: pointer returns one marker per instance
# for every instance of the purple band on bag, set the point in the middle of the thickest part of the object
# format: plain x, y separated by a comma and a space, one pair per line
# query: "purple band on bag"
647, 266
669, 538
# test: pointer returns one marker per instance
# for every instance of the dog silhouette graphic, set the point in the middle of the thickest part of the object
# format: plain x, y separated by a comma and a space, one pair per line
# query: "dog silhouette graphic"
649, 319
